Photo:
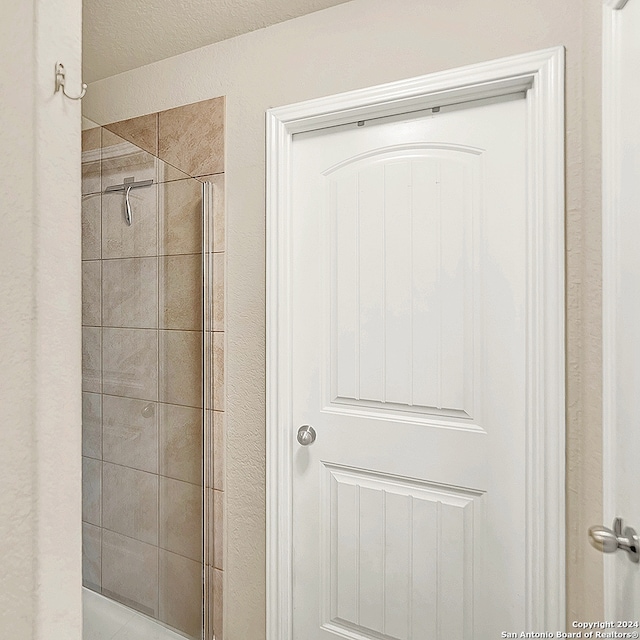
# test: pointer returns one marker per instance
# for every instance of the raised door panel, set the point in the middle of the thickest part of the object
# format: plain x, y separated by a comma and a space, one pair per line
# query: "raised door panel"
402, 271
398, 556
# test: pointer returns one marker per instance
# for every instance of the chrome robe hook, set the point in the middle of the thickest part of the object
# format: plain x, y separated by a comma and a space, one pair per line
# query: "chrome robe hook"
60, 80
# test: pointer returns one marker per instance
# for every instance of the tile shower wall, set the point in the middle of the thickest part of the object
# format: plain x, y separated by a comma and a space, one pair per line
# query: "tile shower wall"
142, 366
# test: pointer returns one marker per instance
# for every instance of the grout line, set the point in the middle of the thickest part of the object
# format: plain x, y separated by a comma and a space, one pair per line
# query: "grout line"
152, 473
171, 404
160, 255
149, 544
109, 326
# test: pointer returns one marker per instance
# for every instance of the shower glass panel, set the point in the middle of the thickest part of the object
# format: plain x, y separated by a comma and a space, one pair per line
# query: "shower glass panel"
145, 303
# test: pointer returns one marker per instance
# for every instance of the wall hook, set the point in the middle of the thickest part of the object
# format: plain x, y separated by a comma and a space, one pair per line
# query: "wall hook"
60, 79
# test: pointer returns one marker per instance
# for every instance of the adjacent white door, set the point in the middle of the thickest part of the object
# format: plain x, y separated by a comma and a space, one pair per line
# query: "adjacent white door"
410, 247
621, 239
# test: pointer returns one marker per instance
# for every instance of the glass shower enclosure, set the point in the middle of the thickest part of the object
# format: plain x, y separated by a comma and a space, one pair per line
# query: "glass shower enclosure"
146, 399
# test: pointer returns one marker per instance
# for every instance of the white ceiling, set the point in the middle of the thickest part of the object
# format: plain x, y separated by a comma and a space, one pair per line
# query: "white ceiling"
119, 35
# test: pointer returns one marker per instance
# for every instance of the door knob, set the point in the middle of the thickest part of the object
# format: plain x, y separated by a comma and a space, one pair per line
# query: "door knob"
306, 435
608, 541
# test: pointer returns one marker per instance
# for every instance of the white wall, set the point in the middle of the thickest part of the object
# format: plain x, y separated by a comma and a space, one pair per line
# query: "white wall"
358, 44
40, 421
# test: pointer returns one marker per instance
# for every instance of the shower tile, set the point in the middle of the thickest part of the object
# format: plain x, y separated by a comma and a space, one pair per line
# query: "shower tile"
92, 425
119, 240
130, 502
130, 572
218, 209
130, 429
218, 529
130, 292
181, 367
217, 601
181, 518
208, 455
210, 550
168, 173
218, 291
180, 217
141, 131
92, 359
180, 583
181, 292
180, 430
91, 160
122, 159
90, 138
91, 226
219, 449
131, 363
91, 284
219, 215
91, 556
91, 491
218, 371
191, 137
209, 612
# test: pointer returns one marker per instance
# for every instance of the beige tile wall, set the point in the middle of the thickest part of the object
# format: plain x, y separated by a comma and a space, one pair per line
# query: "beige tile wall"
142, 366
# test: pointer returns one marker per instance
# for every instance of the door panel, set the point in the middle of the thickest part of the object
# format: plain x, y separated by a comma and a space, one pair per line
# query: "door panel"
385, 535
622, 317
403, 263
409, 360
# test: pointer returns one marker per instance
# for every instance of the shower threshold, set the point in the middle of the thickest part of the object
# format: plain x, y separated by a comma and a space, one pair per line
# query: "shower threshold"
106, 619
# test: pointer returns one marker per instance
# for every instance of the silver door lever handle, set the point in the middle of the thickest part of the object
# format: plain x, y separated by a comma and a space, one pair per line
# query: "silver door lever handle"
608, 541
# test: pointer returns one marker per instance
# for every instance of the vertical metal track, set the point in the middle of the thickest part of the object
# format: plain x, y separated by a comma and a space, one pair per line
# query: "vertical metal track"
207, 404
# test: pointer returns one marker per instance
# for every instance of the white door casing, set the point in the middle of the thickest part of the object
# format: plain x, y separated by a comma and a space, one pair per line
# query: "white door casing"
621, 312
541, 76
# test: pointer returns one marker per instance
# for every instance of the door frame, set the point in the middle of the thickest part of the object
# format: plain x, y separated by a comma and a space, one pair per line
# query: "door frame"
541, 75
611, 165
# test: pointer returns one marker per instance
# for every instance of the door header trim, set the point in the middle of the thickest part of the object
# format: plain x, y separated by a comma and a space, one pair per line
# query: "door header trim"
541, 75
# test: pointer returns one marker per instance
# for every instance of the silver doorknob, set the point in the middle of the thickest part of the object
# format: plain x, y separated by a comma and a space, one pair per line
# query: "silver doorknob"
608, 541
306, 435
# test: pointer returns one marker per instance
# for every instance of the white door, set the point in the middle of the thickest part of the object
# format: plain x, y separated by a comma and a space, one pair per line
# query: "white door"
622, 314
409, 288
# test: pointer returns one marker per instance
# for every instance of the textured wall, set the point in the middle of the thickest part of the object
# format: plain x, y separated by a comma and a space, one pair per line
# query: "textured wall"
39, 324
359, 44
17, 458
191, 23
